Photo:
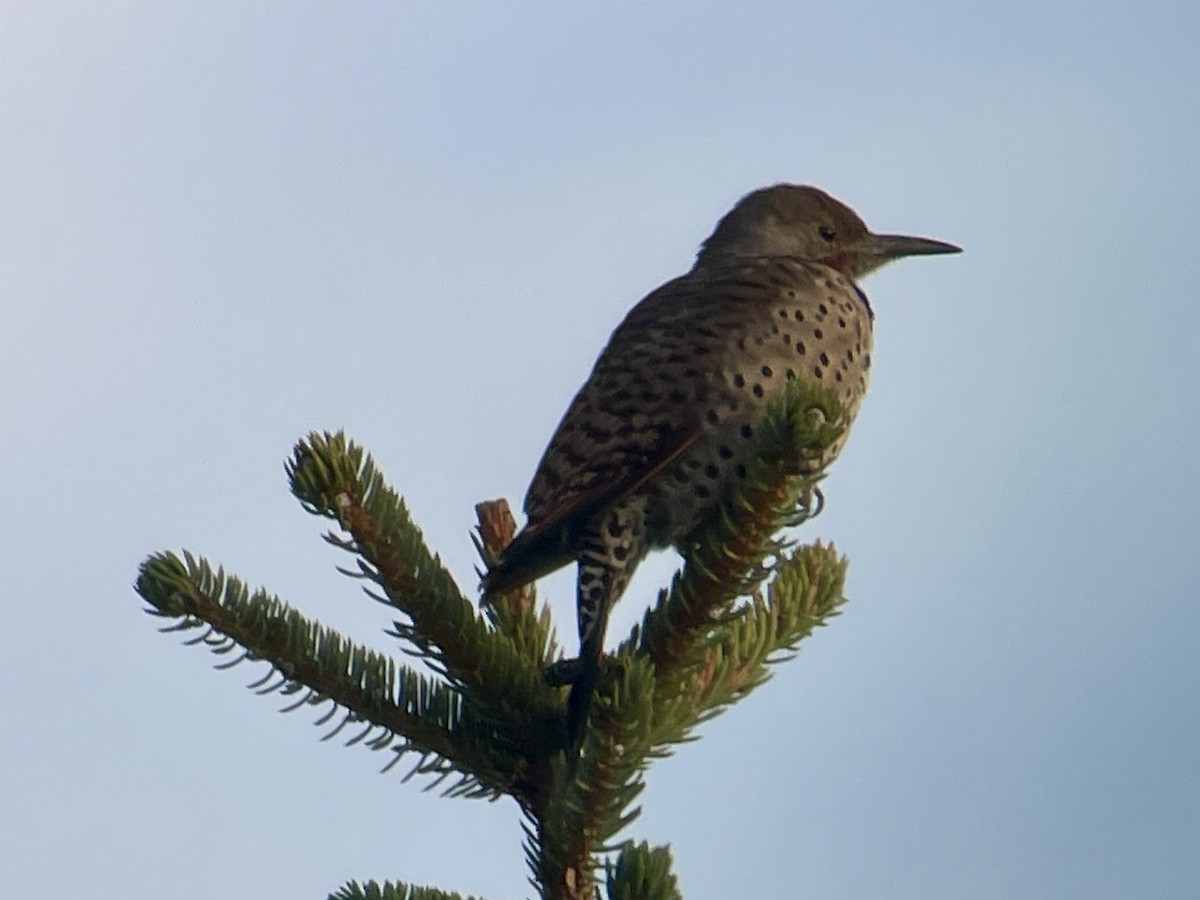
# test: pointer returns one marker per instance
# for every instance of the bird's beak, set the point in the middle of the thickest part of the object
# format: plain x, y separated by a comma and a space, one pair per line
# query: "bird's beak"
877, 249
887, 247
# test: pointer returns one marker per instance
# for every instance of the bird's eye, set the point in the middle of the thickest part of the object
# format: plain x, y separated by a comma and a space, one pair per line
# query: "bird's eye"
827, 233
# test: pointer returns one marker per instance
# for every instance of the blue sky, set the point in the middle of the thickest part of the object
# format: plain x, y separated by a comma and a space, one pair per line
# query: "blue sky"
225, 225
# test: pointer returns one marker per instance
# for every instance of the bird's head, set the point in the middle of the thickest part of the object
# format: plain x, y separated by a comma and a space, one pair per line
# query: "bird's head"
806, 223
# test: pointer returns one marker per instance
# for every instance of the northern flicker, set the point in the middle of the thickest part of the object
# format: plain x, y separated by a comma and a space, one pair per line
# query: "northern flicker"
665, 419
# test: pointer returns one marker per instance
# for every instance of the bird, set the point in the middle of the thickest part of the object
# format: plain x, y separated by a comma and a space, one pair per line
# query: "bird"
665, 420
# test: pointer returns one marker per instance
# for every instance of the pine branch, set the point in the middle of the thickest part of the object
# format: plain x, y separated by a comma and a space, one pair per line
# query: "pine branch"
707, 650
514, 614
393, 890
335, 478
592, 793
695, 653
642, 872
494, 725
395, 707
728, 551
805, 593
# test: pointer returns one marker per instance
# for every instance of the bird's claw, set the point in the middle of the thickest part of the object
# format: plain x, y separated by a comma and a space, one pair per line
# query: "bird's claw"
563, 672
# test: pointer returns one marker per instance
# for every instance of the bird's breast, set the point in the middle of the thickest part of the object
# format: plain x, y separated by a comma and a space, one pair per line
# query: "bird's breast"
791, 322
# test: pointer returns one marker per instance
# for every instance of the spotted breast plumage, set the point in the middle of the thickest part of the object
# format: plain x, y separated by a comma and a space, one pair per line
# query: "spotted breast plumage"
667, 417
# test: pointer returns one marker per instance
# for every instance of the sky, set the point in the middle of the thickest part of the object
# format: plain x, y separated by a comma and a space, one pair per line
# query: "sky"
223, 225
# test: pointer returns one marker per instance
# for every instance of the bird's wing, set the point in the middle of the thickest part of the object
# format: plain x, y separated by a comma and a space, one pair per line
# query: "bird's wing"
546, 542
622, 429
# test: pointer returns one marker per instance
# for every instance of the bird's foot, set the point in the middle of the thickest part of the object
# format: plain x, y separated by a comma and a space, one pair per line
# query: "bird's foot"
565, 671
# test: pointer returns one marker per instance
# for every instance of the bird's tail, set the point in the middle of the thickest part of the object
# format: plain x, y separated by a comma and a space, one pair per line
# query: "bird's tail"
583, 685
579, 702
